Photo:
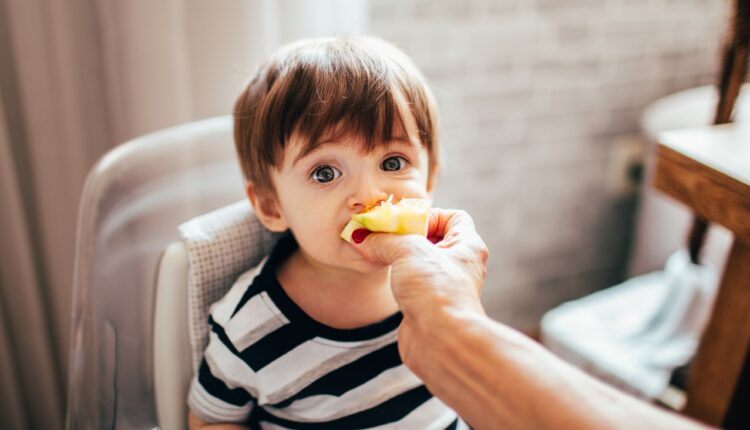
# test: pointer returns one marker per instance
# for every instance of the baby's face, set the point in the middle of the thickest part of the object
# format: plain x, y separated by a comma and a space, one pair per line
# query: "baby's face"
318, 192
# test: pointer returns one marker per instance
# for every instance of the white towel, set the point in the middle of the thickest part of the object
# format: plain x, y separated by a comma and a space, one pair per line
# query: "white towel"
635, 334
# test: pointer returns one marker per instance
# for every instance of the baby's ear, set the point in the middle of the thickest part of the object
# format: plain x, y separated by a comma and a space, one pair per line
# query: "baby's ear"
266, 208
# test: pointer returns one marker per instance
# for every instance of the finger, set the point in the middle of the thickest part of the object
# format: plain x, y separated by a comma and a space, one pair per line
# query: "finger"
450, 225
387, 248
434, 239
459, 233
438, 222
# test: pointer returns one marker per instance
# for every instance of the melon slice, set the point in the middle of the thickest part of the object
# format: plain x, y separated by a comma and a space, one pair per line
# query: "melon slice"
408, 216
346, 233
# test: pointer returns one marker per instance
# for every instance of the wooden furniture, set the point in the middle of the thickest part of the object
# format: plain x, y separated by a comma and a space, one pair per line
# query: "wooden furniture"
708, 169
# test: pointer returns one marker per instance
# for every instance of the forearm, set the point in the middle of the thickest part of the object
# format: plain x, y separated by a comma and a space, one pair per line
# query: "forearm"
495, 377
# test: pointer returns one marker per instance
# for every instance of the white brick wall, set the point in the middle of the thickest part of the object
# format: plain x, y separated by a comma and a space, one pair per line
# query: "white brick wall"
531, 94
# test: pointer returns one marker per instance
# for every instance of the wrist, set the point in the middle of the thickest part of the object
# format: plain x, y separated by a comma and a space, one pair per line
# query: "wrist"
449, 352
447, 314
441, 328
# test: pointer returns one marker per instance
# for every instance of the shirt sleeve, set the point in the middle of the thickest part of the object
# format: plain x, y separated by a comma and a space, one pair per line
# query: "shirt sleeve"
213, 398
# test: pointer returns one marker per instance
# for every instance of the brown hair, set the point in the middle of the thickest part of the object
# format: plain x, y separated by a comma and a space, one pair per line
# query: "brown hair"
320, 87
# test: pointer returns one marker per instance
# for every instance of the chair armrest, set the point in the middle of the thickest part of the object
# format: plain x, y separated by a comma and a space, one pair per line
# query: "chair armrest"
172, 366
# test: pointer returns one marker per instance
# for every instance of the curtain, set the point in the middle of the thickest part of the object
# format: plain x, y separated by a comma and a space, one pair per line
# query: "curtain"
77, 78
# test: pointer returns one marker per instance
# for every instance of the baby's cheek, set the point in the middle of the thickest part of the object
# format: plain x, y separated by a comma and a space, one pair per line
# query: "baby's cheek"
414, 190
315, 235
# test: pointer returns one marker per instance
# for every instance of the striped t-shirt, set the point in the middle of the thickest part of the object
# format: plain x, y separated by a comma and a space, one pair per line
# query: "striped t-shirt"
268, 364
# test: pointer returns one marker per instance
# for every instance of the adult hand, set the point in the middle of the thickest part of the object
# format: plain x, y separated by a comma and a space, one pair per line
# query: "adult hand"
425, 274
430, 279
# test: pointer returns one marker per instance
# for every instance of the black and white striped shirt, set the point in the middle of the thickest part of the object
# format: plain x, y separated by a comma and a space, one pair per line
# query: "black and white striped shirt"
270, 365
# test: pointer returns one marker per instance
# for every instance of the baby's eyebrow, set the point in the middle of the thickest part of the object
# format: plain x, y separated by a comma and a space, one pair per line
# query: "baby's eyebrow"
309, 149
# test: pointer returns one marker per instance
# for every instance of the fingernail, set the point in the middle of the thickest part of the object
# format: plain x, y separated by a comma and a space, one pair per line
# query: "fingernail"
434, 239
359, 235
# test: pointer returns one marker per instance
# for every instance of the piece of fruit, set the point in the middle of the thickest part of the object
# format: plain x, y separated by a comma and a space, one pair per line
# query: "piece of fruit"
346, 233
408, 216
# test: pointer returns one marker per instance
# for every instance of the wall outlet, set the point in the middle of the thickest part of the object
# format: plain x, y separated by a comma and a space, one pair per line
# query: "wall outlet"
626, 165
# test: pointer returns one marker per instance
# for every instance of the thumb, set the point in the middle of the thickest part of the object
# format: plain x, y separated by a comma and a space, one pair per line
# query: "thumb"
387, 248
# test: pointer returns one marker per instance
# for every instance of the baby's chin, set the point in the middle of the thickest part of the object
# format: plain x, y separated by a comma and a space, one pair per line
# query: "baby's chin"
355, 261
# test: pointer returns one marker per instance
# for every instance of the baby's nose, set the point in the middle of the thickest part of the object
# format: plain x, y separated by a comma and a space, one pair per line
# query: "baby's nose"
365, 196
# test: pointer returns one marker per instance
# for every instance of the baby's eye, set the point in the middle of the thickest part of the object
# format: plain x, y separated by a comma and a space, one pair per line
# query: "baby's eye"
324, 174
393, 164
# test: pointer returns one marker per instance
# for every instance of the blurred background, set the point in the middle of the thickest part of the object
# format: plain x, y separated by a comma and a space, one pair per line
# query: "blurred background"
540, 103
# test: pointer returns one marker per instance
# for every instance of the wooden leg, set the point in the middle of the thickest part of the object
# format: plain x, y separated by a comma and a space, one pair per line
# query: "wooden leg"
738, 416
724, 345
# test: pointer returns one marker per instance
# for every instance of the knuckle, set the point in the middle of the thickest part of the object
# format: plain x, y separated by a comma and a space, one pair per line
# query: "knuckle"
480, 249
465, 217
484, 252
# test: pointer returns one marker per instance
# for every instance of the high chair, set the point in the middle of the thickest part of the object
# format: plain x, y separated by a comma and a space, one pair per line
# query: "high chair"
131, 354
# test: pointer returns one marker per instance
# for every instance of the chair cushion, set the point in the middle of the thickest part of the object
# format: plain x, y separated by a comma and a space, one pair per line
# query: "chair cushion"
220, 245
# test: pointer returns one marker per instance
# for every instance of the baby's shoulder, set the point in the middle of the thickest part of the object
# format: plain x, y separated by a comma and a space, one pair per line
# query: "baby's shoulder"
223, 308
246, 278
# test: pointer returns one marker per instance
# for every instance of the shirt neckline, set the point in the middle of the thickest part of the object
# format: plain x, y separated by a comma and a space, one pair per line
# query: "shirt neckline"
284, 248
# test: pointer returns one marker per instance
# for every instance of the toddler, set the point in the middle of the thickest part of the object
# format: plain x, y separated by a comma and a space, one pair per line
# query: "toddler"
325, 129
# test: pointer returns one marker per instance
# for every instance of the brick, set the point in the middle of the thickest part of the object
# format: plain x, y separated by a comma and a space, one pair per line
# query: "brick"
570, 32
510, 107
503, 133
442, 9
493, 8
384, 10
571, 6
637, 28
556, 126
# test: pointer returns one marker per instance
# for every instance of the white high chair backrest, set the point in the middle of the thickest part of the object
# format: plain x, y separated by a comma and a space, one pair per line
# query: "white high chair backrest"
193, 274
221, 245
131, 205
